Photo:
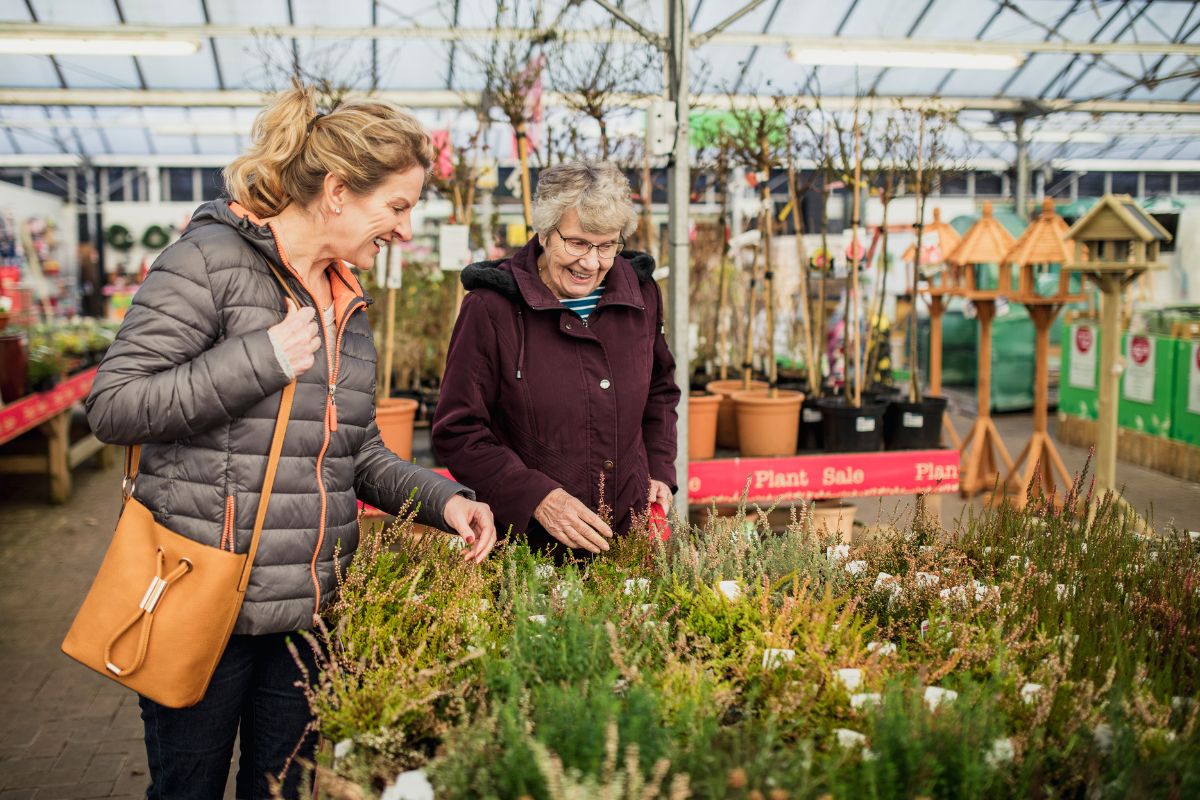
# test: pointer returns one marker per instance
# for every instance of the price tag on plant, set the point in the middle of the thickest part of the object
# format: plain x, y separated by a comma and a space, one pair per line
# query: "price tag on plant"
454, 249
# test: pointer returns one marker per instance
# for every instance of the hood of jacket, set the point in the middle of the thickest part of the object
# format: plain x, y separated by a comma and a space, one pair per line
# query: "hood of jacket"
516, 277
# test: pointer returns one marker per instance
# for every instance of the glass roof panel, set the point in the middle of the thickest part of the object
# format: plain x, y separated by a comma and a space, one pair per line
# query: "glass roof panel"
181, 72
74, 12
239, 12
28, 71
99, 72
156, 12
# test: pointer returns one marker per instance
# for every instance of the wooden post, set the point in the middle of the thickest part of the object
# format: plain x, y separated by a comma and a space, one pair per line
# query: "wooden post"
768, 214
855, 321
526, 190
1106, 419
748, 362
936, 309
58, 442
810, 351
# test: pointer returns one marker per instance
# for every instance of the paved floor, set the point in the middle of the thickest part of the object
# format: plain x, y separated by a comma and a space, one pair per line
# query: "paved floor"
66, 733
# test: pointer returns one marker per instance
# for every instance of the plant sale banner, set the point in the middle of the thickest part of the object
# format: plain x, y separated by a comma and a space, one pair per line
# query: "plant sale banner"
816, 477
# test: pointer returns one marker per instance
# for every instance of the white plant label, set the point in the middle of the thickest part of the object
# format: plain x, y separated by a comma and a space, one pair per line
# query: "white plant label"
810, 415
1194, 380
912, 420
1139, 369
1083, 357
454, 249
864, 424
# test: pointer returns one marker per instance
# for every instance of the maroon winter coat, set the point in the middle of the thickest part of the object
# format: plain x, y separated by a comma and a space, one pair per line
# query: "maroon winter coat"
535, 399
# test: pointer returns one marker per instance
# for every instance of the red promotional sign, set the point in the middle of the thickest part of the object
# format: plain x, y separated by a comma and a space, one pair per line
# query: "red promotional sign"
1083, 338
1139, 349
29, 412
819, 476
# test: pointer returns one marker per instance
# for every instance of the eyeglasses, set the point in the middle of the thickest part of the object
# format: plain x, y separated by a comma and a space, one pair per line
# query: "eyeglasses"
581, 247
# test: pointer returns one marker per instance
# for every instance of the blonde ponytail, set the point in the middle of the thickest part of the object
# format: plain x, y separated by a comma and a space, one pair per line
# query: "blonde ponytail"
293, 148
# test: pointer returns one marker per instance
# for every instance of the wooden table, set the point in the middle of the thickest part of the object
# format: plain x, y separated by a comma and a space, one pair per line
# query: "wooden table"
50, 412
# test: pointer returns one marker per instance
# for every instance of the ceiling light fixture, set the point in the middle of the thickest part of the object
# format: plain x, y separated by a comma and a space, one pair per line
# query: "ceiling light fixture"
850, 56
82, 46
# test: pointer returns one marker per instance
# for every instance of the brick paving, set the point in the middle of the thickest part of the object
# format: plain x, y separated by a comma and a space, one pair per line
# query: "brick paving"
68, 733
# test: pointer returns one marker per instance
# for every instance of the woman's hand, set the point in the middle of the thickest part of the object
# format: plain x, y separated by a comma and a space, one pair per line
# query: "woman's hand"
660, 493
572, 523
298, 337
473, 522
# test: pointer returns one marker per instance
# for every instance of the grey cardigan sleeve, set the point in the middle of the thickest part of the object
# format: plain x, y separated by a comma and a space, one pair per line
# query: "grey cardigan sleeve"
386, 481
169, 374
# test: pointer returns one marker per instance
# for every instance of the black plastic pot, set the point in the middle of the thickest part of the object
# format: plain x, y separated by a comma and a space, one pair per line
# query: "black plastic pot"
812, 436
851, 430
914, 426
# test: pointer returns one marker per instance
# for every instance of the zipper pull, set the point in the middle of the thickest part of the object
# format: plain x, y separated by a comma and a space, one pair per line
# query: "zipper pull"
331, 409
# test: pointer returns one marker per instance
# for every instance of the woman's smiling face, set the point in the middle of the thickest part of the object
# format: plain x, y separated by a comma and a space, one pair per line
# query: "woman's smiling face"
572, 276
368, 222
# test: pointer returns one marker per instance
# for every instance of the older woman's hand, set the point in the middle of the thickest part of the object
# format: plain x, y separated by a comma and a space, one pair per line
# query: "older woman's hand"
660, 493
572, 523
473, 522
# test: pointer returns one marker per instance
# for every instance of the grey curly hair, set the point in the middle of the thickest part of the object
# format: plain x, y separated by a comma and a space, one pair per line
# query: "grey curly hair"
597, 190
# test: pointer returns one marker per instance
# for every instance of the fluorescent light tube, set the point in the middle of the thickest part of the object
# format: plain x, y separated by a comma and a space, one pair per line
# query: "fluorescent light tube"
80, 46
927, 59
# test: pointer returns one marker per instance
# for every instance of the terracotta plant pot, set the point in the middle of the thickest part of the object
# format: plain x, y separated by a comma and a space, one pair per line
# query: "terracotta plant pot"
702, 425
767, 426
834, 517
727, 435
395, 416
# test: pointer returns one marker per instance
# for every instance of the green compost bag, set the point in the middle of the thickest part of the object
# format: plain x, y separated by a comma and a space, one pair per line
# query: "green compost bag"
1147, 392
1012, 354
1185, 418
1078, 380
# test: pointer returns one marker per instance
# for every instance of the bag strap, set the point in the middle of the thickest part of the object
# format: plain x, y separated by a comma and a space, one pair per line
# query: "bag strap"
133, 453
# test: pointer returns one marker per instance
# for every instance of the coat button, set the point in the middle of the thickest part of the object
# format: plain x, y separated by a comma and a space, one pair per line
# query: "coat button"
567, 326
604, 384
608, 466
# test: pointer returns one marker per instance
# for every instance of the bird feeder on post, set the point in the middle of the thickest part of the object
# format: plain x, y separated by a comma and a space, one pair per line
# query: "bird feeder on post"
1041, 245
1113, 245
987, 242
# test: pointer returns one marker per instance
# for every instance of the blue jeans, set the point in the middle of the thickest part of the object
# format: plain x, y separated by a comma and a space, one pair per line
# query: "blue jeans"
257, 687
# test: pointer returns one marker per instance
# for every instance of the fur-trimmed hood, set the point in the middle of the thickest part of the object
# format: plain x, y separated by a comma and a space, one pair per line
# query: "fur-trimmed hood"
498, 274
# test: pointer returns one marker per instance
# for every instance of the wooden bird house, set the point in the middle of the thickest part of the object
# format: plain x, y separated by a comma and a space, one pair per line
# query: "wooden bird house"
1040, 246
942, 240
986, 242
1117, 233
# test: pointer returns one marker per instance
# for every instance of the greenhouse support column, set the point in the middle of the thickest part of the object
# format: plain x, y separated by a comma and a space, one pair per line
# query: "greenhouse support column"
677, 234
1021, 199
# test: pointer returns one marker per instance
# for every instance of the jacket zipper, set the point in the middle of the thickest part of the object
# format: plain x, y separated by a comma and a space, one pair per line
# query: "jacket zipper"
227, 531
334, 357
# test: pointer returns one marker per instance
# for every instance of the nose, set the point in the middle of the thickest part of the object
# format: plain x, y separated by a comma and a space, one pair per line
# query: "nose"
403, 229
592, 259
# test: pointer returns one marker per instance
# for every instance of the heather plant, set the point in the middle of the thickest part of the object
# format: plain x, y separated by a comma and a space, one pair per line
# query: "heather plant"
1049, 651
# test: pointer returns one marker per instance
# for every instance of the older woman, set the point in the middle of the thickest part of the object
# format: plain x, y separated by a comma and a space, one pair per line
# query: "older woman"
195, 378
558, 403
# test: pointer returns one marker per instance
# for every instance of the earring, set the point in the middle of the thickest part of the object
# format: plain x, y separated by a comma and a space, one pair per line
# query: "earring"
337, 210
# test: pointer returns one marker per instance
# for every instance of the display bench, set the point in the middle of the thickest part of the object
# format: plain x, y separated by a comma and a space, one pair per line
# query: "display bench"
50, 412
821, 476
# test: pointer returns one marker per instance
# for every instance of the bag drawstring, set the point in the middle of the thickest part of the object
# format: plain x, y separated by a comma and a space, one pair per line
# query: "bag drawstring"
145, 613
521, 346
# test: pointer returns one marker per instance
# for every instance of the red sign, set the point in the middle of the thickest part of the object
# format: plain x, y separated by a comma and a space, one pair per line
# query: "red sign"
1083, 338
31, 411
815, 477
820, 476
1139, 349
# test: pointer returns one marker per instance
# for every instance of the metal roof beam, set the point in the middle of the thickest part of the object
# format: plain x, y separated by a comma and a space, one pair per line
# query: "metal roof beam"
727, 38
440, 98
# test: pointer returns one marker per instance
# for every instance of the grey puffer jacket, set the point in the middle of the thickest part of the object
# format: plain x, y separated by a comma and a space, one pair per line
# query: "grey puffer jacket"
193, 377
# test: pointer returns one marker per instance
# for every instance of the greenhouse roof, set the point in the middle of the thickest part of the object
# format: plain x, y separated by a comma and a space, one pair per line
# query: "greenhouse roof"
1096, 79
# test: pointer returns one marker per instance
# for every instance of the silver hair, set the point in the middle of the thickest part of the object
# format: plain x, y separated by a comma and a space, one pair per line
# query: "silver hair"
597, 190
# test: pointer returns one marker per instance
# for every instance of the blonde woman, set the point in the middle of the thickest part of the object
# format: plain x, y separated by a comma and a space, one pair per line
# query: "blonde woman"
195, 378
